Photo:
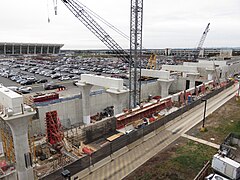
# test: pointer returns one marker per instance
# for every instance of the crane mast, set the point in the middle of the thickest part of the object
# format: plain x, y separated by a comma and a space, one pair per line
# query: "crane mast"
134, 59
200, 44
135, 51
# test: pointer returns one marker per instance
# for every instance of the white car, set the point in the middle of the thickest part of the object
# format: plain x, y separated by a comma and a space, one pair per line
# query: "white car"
64, 78
23, 88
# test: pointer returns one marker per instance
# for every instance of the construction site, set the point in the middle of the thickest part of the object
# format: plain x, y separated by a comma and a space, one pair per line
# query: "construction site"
60, 133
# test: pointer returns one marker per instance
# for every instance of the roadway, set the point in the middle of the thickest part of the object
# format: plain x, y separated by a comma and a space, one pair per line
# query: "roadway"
122, 163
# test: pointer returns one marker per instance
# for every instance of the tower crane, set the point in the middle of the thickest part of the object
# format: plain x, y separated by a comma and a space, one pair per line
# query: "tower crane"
134, 58
200, 44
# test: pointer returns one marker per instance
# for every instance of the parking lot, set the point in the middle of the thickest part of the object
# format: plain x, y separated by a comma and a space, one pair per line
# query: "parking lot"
46, 75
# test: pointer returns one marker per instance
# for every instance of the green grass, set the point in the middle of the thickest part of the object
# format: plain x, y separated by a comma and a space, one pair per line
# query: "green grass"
227, 120
183, 164
193, 156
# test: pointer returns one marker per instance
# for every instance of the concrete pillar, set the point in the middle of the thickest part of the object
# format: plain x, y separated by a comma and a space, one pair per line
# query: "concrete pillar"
13, 49
41, 49
28, 49
19, 127
210, 73
20, 49
35, 49
164, 85
54, 49
119, 98
85, 88
192, 78
5, 49
47, 49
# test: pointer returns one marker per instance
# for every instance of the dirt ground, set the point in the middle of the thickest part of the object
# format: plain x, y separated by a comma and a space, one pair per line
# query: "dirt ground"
183, 159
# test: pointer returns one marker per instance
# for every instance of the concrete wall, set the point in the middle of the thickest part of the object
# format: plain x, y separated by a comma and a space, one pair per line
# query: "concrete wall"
99, 102
70, 112
67, 111
150, 88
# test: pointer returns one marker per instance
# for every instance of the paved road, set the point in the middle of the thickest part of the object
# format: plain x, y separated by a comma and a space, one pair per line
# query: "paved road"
120, 166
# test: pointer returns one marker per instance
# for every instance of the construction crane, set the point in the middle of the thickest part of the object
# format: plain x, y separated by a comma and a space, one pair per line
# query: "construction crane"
136, 22
134, 58
200, 44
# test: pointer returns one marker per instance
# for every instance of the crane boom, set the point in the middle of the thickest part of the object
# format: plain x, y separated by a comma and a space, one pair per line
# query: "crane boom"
200, 44
134, 58
79, 12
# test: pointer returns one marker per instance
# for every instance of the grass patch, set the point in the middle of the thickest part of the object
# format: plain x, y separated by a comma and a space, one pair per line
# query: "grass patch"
183, 163
193, 156
220, 123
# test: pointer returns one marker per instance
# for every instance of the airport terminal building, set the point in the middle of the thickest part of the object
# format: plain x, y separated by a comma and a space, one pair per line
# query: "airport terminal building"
29, 48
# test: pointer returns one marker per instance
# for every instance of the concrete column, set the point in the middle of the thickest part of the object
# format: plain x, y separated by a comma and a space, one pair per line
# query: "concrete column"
20, 49
28, 49
192, 78
54, 47
19, 127
210, 73
5, 49
165, 84
13, 49
41, 49
35, 49
118, 97
85, 88
47, 49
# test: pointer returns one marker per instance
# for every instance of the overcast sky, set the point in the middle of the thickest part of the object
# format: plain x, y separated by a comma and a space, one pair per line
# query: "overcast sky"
166, 23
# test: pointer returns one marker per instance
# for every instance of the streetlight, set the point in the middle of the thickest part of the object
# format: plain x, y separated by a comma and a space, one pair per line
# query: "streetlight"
203, 129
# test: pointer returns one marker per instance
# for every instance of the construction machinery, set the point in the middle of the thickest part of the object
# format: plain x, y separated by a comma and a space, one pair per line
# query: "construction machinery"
134, 58
200, 44
152, 62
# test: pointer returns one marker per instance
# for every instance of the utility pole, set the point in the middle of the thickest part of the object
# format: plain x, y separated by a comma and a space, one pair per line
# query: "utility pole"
203, 129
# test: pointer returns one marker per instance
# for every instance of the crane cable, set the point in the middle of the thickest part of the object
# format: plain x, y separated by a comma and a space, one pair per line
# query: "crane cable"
48, 12
96, 16
105, 21
55, 6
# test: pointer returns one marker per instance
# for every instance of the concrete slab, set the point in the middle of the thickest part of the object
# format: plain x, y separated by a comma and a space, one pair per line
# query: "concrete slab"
135, 143
101, 163
148, 136
120, 152
201, 141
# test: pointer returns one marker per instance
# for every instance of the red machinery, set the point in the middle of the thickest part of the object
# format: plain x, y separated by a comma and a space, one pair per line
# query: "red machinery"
45, 97
143, 112
87, 151
54, 128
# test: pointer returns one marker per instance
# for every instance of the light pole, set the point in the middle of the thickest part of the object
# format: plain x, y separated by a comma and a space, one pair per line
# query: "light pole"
203, 129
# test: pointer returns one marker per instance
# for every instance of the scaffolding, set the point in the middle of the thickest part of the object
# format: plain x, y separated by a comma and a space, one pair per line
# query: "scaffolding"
7, 141
54, 128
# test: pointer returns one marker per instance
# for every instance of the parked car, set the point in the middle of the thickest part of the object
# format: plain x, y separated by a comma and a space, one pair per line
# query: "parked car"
24, 89
64, 78
42, 81
56, 86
